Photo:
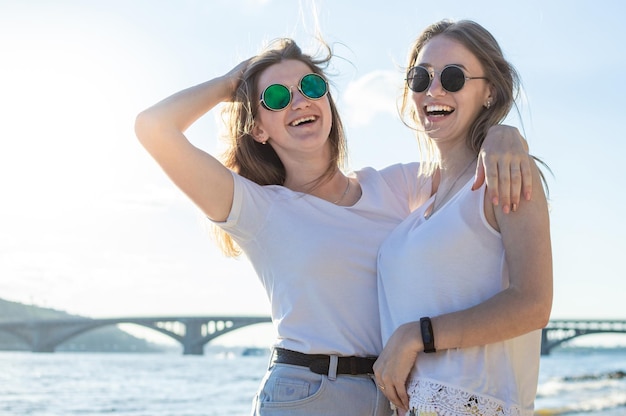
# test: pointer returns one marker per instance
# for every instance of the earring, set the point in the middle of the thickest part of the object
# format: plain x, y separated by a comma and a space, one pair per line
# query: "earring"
264, 142
488, 104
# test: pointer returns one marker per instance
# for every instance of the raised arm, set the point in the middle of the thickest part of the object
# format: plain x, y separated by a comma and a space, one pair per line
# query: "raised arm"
160, 129
504, 163
522, 307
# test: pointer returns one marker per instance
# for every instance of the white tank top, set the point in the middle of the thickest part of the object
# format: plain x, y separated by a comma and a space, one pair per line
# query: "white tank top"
450, 262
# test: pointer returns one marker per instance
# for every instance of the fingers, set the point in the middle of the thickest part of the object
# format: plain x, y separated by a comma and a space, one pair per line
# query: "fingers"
392, 386
403, 397
515, 183
235, 75
527, 179
507, 167
395, 362
396, 394
504, 185
516, 186
508, 181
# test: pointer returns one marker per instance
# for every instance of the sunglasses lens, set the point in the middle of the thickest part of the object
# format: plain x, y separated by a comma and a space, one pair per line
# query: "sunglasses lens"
313, 86
418, 79
452, 78
276, 97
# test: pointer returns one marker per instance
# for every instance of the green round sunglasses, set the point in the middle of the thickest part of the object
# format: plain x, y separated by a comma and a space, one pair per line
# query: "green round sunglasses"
276, 97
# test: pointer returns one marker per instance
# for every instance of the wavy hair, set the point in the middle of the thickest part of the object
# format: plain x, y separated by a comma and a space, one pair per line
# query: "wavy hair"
504, 79
259, 162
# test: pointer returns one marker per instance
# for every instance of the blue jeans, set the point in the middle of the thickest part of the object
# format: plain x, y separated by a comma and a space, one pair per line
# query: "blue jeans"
288, 390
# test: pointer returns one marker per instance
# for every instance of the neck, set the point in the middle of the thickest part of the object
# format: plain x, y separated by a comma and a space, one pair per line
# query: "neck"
333, 188
307, 170
307, 180
454, 162
446, 182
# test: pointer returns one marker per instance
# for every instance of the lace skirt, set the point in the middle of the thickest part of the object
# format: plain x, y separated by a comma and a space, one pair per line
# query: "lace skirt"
429, 398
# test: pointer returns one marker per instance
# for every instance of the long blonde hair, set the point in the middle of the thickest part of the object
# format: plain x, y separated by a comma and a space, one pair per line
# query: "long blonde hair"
502, 76
259, 162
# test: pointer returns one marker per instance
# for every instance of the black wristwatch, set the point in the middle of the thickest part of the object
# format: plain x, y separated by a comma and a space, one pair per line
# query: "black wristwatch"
428, 337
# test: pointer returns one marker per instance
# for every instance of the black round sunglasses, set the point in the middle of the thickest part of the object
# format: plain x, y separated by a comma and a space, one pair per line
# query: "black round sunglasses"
452, 78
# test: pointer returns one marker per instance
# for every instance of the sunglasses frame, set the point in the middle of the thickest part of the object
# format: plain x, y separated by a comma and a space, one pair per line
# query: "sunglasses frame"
431, 76
267, 107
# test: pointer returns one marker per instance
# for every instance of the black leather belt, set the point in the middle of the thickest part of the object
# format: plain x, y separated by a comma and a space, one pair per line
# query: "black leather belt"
319, 363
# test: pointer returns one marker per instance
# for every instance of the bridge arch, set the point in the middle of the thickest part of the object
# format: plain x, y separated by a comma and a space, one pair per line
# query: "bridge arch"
558, 332
17, 336
193, 333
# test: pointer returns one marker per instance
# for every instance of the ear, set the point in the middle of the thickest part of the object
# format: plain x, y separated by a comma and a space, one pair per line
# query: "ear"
489, 97
259, 134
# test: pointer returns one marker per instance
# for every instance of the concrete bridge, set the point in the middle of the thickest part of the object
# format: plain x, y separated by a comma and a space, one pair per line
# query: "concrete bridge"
559, 331
192, 332
195, 332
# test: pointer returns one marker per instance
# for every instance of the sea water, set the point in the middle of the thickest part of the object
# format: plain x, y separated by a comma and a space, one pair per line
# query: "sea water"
573, 381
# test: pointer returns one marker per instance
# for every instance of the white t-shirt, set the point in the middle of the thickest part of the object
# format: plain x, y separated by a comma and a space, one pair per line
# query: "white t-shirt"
317, 260
452, 261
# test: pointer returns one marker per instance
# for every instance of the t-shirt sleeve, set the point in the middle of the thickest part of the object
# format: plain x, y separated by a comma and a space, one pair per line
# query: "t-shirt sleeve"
251, 205
406, 181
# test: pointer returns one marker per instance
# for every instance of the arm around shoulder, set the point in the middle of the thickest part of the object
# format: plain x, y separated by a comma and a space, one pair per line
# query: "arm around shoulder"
504, 164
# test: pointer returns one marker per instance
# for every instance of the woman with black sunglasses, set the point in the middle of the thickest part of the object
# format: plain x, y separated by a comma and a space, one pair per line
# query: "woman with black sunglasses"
310, 230
464, 290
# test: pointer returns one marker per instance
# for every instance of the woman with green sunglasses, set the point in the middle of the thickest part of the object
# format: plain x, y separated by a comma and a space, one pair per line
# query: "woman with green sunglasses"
310, 230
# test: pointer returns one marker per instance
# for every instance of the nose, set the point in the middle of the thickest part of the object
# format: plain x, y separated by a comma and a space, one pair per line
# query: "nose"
298, 100
435, 88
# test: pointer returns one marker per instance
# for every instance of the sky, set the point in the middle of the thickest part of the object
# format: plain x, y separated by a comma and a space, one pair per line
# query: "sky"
89, 224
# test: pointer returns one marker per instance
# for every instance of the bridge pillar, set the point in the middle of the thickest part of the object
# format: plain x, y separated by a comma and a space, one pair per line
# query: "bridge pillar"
43, 349
193, 349
545, 346
41, 336
192, 341
39, 342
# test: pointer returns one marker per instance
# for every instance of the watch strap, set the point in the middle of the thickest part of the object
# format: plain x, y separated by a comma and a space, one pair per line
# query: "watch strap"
428, 337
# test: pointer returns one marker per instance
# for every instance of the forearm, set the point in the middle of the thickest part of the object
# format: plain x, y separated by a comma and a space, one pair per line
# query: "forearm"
160, 129
507, 315
182, 109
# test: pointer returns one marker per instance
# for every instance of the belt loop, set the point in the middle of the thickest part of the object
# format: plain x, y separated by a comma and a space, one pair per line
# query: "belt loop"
273, 356
332, 367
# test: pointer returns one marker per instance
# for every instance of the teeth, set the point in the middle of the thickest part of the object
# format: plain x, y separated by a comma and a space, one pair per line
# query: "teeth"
302, 120
439, 108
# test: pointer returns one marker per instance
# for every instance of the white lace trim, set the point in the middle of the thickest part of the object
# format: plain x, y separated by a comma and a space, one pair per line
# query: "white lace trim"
429, 398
